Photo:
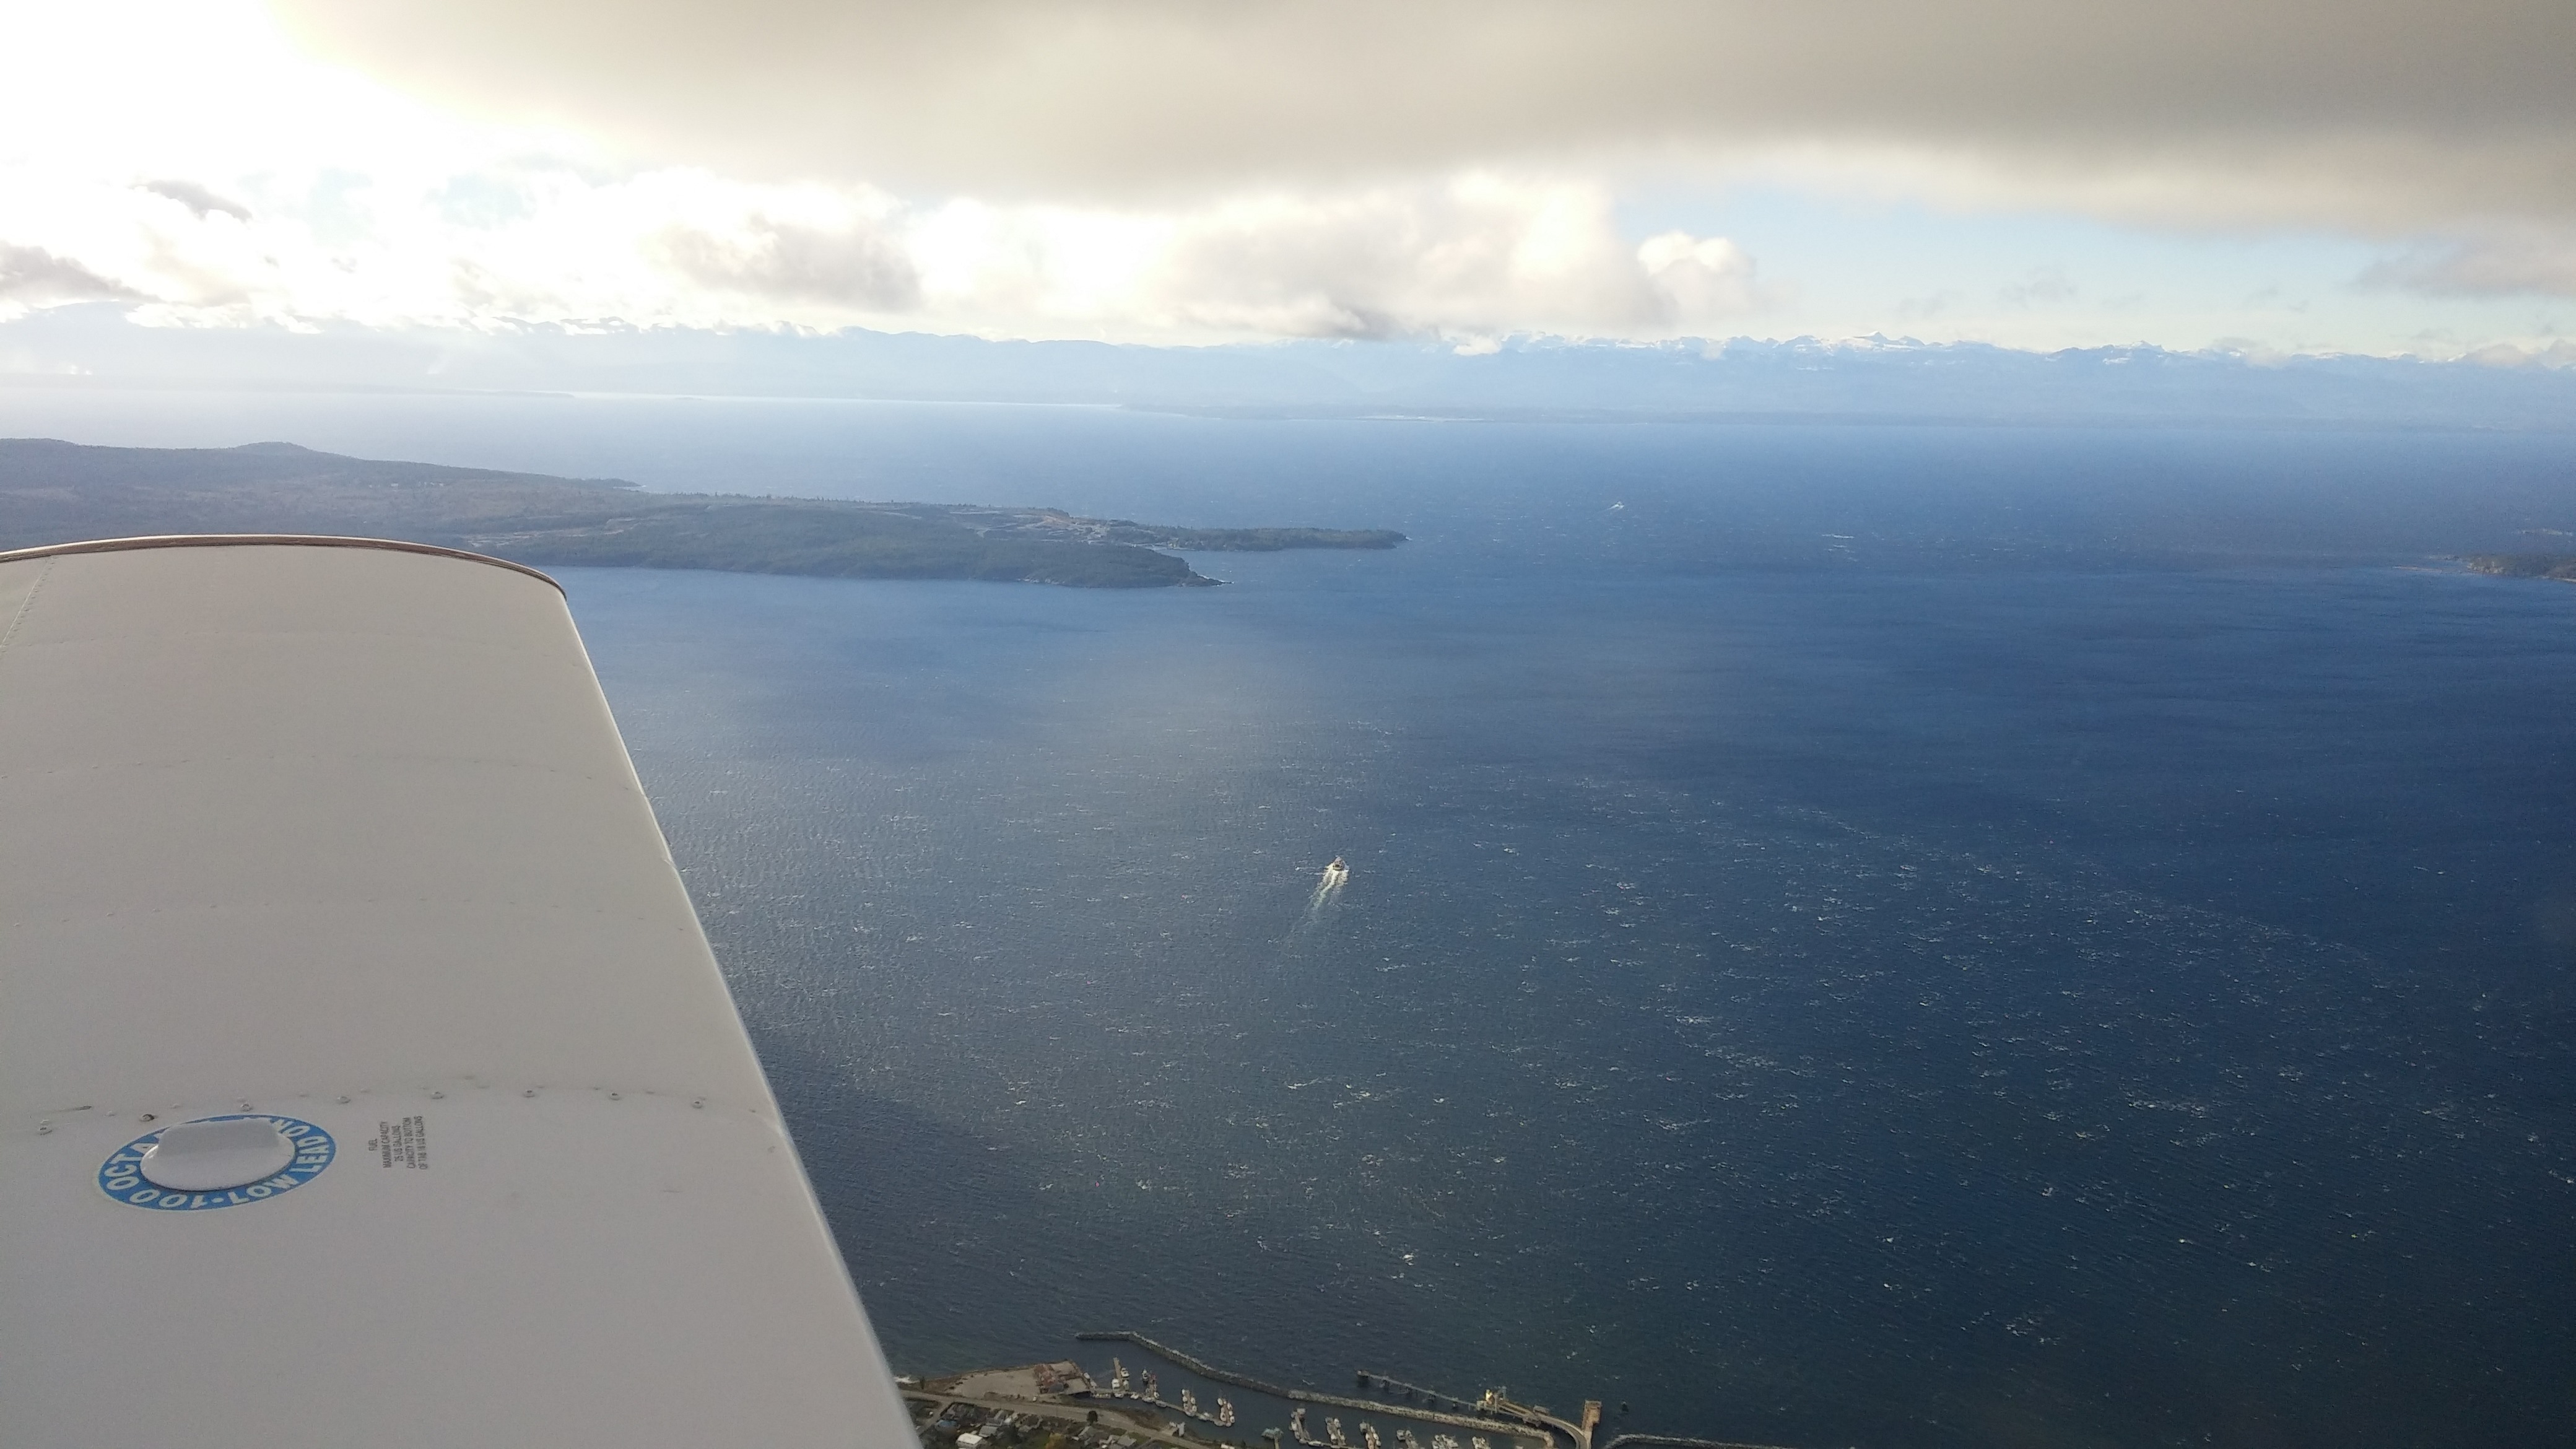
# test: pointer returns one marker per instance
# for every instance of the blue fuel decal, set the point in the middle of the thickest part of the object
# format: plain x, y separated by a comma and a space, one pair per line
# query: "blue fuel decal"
121, 1176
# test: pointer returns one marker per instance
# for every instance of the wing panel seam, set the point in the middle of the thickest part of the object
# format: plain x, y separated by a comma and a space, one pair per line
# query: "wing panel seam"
24, 605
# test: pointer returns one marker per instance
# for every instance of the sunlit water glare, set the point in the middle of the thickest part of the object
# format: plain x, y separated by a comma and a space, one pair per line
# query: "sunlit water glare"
1923, 1000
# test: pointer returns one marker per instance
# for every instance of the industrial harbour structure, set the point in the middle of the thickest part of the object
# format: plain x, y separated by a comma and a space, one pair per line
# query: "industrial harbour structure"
1060, 1406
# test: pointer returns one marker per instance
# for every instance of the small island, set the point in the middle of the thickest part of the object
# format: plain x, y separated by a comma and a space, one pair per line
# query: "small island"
2560, 566
56, 492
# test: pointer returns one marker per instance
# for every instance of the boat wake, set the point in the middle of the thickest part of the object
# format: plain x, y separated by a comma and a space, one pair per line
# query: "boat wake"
1328, 893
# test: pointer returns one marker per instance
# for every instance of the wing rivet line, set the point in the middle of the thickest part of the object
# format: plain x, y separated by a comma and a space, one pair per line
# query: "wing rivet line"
291, 540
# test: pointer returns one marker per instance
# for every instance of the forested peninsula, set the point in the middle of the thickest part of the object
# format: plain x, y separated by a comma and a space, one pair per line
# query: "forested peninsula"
56, 492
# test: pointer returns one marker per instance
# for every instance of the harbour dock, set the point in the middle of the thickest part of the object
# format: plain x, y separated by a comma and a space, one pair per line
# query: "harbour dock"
1059, 1406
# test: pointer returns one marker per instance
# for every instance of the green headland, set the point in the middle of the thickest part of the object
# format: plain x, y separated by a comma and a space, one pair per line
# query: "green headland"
55, 492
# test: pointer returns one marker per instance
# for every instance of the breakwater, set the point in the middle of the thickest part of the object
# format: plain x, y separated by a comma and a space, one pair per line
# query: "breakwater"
1676, 1442
1308, 1396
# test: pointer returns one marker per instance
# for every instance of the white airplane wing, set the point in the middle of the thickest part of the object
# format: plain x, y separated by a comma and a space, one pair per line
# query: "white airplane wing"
365, 1078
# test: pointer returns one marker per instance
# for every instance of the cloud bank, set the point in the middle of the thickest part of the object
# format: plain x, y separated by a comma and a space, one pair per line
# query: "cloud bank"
1217, 170
1473, 257
2388, 114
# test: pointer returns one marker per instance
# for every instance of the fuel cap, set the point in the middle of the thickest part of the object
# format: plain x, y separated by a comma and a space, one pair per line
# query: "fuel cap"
213, 1155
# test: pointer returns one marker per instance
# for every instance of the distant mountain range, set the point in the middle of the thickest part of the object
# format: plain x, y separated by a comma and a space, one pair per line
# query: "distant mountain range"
1803, 378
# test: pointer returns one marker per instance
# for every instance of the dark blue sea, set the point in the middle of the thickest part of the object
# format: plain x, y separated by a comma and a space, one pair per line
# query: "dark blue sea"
1876, 936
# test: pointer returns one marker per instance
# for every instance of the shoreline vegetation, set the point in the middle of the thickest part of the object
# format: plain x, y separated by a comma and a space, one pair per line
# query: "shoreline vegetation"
56, 492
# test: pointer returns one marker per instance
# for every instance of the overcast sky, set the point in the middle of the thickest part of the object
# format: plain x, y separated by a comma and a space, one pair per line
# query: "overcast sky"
2358, 176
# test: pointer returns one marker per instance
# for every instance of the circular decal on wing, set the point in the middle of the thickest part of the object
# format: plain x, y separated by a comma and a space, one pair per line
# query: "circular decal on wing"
122, 1177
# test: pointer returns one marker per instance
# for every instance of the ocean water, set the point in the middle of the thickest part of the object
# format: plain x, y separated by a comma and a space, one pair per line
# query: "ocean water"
1874, 936
1984, 979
